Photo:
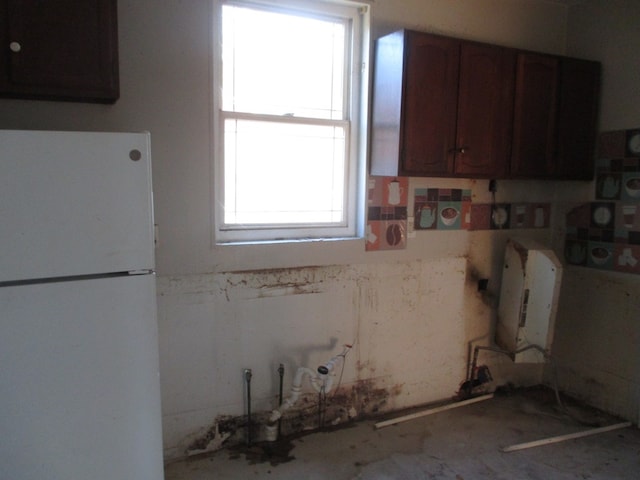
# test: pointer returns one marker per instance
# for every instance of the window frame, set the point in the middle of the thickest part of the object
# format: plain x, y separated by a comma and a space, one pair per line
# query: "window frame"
356, 128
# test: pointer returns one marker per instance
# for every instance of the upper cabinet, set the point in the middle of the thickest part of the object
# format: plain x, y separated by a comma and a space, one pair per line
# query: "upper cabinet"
62, 50
449, 107
534, 123
485, 110
430, 93
441, 107
555, 119
577, 119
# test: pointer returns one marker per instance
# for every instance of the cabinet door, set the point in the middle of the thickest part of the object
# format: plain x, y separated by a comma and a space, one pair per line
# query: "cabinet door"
577, 118
485, 110
430, 100
534, 115
65, 50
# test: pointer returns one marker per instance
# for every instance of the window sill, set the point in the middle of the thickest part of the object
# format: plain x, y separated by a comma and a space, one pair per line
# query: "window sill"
289, 241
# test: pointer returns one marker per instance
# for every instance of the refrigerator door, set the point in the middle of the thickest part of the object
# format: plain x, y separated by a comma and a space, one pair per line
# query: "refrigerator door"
79, 384
74, 203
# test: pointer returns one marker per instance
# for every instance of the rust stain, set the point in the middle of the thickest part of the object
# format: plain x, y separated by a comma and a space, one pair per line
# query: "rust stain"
312, 412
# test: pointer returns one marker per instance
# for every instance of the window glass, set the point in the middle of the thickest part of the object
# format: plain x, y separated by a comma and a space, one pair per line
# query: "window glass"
283, 64
289, 160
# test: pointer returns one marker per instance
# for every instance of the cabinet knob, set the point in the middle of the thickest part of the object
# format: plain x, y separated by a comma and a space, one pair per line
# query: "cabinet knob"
462, 149
15, 47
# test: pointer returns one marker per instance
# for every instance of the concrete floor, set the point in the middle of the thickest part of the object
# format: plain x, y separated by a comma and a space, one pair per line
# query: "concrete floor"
460, 444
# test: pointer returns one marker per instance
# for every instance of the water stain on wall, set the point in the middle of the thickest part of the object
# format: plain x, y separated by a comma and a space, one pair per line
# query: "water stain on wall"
312, 412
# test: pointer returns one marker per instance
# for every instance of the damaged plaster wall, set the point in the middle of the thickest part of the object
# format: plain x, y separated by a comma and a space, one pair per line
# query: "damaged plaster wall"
411, 325
404, 320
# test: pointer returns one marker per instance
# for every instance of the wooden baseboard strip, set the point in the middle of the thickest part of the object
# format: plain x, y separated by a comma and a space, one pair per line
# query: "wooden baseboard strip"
431, 411
562, 438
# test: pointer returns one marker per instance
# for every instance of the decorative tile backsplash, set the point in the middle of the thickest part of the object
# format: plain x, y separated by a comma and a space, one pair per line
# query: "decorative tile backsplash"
605, 234
602, 234
438, 209
442, 209
387, 199
502, 216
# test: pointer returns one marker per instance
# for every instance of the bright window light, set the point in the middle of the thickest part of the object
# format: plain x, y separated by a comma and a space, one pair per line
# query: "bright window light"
288, 161
283, 64
311, 159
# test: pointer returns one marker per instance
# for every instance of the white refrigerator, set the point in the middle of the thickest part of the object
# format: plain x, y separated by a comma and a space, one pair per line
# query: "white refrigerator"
79, 376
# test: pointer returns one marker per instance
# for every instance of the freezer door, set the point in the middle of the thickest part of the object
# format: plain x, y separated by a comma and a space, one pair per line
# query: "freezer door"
79, 383
74, 204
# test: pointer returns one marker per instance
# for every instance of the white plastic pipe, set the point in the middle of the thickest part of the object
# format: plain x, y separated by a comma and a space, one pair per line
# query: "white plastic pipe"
296, 390
321, 382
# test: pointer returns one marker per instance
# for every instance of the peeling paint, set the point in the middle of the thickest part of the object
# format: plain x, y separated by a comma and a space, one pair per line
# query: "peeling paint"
275, 282
215, 437
290, 289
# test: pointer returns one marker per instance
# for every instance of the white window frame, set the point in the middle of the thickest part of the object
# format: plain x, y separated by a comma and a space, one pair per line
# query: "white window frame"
353, 226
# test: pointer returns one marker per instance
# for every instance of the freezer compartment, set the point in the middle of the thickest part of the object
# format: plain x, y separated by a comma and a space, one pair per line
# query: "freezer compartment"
74, 203
79, 382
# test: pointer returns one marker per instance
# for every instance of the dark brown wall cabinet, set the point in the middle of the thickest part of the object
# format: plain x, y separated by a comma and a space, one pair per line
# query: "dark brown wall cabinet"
485, 111
62, 50
555, 119
577, 119
535, 113
449, 107
442, 107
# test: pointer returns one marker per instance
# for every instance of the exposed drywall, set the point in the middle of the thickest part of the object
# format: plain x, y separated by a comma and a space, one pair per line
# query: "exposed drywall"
405, 321
411, 314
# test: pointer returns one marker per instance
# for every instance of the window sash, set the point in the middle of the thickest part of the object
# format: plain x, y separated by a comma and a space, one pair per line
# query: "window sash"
341, 175
306, 60
355, 107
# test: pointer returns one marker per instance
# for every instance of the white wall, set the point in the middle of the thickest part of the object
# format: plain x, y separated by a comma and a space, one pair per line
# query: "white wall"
410, 313
598, 329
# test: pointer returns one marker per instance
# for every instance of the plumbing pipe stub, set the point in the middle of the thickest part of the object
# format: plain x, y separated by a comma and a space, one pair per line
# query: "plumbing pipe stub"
271, 432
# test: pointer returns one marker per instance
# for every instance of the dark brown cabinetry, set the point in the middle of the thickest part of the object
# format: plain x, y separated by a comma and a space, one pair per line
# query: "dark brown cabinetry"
555, 119
485, 109
448, 107
430, 95
62, 50
534, 116
577, 119
441, 107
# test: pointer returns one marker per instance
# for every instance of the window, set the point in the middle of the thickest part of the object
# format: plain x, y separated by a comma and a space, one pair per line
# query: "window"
290, 101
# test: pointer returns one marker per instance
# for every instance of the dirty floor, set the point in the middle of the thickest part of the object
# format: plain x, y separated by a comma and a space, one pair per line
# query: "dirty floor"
460, 444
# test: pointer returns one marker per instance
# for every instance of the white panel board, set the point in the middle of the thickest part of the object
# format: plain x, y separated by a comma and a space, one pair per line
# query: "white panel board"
531, 280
